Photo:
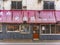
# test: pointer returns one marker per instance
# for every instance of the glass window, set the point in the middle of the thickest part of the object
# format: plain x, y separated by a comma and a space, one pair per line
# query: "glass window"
0, 28
57, 29
24, 28
12, 28
50, 29
48, 4
45, 29
19, 5
16, 5
13, 6
53, 29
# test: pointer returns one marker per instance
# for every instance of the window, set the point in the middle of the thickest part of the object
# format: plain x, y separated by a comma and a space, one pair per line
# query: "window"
24, 29
0, 28
53, 29
16, 5
50, 29
12, 28
45, 29
57, 29
48, 4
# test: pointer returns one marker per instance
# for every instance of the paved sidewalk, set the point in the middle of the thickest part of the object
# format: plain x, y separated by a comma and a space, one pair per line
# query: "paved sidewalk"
28, 41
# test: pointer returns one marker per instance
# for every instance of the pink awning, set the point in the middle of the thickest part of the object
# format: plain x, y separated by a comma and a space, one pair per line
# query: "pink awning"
32, 18
25, 16
17, 16
57, 14
7, 16
45, 17
1, 16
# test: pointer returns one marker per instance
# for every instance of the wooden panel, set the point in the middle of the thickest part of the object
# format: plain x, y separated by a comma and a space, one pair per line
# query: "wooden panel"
35, 36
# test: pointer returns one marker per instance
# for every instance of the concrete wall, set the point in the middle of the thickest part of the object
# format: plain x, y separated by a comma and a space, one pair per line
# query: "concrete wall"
1, 5
57, 4
31, 4
7, 5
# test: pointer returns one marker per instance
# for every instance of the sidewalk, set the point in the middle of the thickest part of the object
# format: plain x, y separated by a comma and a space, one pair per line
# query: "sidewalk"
28, 41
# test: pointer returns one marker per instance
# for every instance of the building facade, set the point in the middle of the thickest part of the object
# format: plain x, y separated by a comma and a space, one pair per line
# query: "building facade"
30, 19
28, 4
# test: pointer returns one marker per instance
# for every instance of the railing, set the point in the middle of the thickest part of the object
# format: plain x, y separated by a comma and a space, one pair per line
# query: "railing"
30, 16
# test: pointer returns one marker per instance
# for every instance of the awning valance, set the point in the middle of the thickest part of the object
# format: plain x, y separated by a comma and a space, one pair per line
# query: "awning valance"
45, 17
57, 14
17, 17
30, 16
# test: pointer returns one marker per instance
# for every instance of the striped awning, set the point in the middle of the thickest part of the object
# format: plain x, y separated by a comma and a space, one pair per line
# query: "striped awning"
30, 16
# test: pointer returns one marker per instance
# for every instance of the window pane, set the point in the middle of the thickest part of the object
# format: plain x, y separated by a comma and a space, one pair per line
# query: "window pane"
16, 28
45, 29
12, 27
53, 29
24, 28
19, 5
48, 5
0, 28
58, 29
13, 5
51, 5
45, 5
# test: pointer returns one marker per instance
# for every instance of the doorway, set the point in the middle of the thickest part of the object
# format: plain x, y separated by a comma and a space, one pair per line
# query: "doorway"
35, 29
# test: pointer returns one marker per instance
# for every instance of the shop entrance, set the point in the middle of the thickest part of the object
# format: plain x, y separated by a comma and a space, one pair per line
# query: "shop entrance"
35, 29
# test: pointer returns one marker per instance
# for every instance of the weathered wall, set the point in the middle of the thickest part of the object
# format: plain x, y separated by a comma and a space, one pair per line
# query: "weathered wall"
31, 4
13, 35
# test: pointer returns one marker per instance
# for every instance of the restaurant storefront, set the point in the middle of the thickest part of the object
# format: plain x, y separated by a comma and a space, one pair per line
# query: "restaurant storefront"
34, 25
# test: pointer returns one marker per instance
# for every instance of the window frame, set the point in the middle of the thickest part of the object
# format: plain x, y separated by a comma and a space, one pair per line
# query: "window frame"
56, 28
45, 30
25, 32
50, 30
1, 27
16, 5
49, 5
10, 31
